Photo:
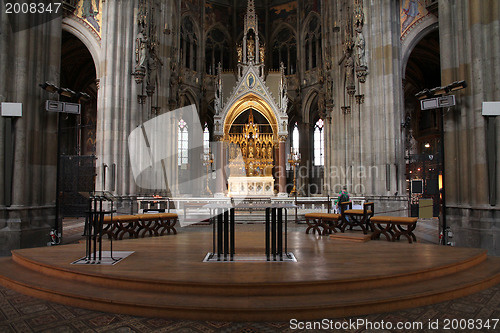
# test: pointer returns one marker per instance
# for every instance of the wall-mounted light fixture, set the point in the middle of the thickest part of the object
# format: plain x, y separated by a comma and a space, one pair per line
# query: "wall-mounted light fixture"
457, 85
47, 86
66, 92
438, 91
423, 94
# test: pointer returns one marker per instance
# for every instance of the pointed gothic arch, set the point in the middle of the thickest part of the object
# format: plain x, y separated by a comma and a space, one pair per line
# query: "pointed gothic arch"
311, 37
190, 42
251, 101
93, 45
187, 96
311, 96
284, 48
217, 48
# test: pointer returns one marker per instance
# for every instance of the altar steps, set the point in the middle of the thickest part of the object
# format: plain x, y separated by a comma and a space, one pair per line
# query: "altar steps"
153, 283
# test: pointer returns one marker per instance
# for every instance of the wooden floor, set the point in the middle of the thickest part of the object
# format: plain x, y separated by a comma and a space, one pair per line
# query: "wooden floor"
166, 276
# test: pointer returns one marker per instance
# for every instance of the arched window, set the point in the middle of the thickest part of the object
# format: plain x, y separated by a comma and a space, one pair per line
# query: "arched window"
189, 44
285, 50
206, 139
182, 143
313, 44
319, 143
295, 138
216, 50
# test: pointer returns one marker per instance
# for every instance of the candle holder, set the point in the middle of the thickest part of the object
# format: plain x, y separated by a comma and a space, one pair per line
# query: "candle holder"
294, 160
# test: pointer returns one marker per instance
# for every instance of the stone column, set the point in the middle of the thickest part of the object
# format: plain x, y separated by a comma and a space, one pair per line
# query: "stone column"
365, 139
220, 175
470, 48
282, 168
28, 57
304, 170
119, 110
327, 157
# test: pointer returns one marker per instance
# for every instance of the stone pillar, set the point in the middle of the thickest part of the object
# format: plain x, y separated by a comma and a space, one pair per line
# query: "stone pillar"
470, 48
276, 151
119, 107
28, 57
282, 168
304, 170
220, 175
327, 190
365, 136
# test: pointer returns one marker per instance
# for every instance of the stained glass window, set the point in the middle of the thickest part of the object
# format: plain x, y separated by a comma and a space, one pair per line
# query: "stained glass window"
206, 139
319, 143
295, 137
182, 143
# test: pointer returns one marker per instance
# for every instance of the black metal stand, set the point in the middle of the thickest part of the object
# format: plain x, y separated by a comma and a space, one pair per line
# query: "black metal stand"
275, 244
94, 226
223, 243
223, 232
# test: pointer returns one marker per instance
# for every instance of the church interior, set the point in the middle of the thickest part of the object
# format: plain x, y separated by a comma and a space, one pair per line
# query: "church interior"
181, 130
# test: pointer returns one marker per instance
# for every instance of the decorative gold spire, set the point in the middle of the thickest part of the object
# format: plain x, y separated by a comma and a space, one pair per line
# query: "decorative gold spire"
250, 117
251, 17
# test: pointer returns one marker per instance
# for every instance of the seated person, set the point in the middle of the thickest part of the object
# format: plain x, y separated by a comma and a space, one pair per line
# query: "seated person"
343, 197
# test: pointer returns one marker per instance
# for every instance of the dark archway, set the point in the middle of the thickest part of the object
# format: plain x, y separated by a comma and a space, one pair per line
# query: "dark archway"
423, 153
77, 133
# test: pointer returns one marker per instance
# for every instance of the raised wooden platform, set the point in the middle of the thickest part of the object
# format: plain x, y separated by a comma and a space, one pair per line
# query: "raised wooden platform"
165, 277
351, 236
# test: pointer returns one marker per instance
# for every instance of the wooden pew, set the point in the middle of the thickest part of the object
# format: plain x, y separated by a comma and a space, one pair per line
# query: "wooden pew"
139, 225
328, 221
393, 227
167, 222
120, 225
356, 217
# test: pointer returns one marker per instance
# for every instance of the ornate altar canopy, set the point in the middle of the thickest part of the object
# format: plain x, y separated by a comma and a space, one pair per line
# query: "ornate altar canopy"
252, 121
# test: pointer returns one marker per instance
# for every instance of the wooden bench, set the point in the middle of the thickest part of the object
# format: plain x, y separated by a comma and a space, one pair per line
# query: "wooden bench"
167, 223
393, 227
329, 222
139, 225
120, 225
356, 217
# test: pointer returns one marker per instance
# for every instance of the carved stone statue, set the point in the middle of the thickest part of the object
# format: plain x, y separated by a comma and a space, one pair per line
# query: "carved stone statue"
141, 50
218, 89
153, 63
239, 49
360, 48
329, 89
283, 89
349, 71
251, 47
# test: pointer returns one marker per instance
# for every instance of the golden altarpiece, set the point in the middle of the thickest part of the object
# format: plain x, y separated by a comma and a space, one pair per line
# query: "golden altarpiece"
251, 158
